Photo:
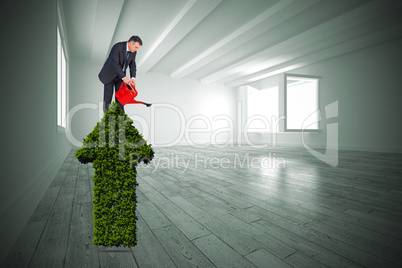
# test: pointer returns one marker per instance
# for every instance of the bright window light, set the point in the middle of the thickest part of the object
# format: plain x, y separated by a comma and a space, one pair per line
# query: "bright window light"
61, 83
301, 103
262, 109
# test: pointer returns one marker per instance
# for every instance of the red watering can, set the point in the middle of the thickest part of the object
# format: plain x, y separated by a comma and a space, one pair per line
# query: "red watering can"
127, 93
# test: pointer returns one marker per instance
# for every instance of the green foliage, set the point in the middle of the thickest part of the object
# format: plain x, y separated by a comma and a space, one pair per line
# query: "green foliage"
115, 147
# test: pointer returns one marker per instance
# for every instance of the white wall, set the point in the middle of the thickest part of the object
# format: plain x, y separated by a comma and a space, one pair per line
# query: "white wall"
32, 150
367, 87
185, 110
365, 84
180, 107
86, 96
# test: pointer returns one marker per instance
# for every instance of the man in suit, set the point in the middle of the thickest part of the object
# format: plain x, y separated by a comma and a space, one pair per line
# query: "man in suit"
113, 73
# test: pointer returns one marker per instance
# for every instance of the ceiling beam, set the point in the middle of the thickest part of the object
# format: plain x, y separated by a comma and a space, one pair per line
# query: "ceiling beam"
198, 62
303, 43
80, 23
373, 38
107, 17
190, 16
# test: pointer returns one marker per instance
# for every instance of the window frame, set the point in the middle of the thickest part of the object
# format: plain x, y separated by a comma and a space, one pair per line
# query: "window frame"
317, 78
62, 73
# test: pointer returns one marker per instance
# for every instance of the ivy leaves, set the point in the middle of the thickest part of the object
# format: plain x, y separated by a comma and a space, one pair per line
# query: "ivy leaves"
115, 147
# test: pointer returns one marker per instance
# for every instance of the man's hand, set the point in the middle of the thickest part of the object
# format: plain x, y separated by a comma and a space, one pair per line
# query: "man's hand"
126, 80
132, 81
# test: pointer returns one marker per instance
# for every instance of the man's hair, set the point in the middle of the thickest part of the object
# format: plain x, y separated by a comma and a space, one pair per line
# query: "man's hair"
135, 39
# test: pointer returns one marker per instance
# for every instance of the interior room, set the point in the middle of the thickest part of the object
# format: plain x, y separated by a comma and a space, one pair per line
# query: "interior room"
275, 126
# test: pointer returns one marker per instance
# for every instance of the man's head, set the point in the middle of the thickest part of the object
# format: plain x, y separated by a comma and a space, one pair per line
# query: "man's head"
134, 43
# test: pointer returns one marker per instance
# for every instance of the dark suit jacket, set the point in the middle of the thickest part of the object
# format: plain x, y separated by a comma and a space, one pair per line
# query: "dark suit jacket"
114, 64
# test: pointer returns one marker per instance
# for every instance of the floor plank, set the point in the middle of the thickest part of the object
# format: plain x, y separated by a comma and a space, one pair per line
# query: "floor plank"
23, 250
182, 251
242, 244
149, 252
52, 246
116, 257
262, 258
80, 251
190, 227
192, 211
220, 253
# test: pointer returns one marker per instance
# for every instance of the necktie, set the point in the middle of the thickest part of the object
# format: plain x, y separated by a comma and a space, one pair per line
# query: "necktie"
125, 65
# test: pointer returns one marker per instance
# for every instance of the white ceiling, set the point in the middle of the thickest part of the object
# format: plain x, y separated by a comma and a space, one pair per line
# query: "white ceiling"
234, 42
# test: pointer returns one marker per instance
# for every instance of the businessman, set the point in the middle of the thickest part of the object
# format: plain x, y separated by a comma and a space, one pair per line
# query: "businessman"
113, 73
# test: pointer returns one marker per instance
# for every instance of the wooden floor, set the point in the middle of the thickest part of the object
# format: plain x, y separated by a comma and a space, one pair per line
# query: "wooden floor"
232, 207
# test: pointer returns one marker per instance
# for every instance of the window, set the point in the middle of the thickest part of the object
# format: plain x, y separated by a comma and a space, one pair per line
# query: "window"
61, 82
262, 109
301, 103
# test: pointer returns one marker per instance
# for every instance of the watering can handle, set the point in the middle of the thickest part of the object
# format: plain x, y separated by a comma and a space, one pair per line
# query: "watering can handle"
133, 89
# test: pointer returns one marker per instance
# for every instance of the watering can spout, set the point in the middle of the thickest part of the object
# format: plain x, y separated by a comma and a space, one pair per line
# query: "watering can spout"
133, 101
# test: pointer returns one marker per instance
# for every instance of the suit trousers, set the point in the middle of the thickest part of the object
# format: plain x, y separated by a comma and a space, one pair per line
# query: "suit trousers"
113, 85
